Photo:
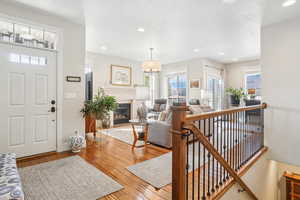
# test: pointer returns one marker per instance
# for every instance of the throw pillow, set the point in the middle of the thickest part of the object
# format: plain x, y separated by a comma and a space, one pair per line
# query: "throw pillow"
196, 109
169, 117
162, 116
156, 107
162, 107
206, 108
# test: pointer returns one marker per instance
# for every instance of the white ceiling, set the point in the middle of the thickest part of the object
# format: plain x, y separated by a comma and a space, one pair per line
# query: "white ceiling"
173, 27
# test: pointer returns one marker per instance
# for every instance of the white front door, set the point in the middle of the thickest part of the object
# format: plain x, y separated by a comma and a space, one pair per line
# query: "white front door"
27, 101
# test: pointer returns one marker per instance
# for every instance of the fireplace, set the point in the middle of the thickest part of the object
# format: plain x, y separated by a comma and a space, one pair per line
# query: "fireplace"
122, 113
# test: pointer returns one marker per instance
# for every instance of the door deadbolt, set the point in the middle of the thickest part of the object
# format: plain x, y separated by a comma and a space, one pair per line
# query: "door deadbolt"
53, 109
53, 102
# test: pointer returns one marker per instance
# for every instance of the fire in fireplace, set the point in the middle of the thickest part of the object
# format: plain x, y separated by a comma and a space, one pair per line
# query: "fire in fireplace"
122, 113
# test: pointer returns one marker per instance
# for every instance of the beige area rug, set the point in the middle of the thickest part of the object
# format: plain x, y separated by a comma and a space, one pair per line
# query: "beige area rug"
123, 134
158, 171
69, 178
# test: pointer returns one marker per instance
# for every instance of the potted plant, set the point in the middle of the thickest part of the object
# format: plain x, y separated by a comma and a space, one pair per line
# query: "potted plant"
100, 107
235, 95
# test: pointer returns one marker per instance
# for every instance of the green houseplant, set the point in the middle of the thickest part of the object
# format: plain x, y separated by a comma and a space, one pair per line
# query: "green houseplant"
99, 108
235, 95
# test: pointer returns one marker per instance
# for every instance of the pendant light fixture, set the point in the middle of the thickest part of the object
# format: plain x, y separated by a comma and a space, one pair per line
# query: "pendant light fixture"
151, 65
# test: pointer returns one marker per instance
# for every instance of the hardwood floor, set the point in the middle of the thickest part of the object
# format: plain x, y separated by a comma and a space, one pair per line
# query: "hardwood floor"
112, 156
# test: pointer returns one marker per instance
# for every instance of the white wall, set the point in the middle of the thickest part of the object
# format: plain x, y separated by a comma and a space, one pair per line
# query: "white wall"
194, 69
280, 70
101, 67
261, 179
235, 72
71, 58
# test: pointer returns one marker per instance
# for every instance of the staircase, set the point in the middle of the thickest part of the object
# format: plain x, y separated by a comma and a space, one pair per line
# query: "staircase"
211, 151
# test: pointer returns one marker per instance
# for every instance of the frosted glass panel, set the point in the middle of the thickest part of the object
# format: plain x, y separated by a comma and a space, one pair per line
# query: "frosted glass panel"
51, 38
37, 34
34, 60
42, 61
6, 27
25, 59
15, 58
21, 29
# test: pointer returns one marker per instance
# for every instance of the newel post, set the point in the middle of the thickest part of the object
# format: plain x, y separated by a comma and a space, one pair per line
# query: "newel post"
179, 153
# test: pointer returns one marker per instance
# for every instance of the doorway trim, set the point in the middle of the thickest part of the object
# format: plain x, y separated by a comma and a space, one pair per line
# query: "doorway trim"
60, 145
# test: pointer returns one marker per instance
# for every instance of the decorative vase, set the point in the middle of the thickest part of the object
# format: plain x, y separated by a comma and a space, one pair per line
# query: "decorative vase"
77, 141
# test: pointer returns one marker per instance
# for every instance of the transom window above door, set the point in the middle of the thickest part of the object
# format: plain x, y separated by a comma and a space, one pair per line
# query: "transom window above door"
26, 59
27, 35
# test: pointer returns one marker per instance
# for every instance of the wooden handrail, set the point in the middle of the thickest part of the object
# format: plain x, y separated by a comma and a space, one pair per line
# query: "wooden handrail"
219, 157
207, 115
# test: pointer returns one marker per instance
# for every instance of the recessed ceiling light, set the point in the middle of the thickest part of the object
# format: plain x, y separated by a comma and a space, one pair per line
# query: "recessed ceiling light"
288, 3
196, 50
229, 1
221, 53
104, 48
141, 29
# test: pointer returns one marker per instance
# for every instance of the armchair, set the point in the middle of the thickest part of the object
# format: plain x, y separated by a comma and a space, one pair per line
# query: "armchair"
159, 106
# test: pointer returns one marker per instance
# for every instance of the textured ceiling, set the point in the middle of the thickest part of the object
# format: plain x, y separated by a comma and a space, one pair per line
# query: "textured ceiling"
175, 28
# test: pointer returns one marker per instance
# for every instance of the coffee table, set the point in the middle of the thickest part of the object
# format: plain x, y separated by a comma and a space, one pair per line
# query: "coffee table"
142, 135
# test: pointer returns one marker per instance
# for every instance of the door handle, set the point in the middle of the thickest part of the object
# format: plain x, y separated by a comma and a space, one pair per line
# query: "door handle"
52, 109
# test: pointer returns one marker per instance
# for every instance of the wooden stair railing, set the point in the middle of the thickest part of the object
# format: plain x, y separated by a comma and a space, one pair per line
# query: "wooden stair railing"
219, 158
212, 150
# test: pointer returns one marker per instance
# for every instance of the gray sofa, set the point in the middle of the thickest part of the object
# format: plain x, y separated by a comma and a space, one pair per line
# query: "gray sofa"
10, 182
159, 133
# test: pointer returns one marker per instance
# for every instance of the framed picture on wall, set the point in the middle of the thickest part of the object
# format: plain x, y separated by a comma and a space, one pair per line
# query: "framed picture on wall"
195, 84
120, 75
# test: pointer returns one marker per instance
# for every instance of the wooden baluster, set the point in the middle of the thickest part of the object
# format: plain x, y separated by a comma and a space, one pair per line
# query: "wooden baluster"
179, 162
